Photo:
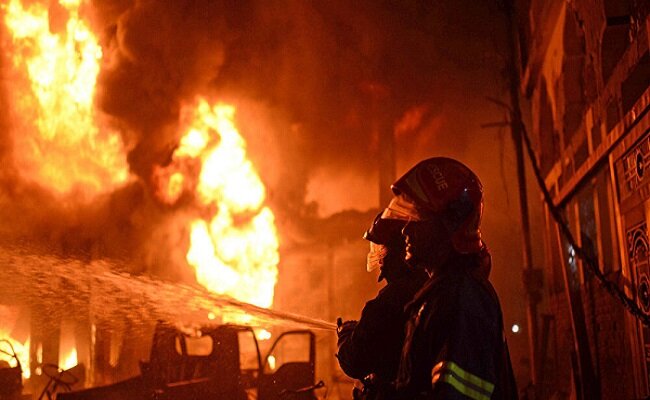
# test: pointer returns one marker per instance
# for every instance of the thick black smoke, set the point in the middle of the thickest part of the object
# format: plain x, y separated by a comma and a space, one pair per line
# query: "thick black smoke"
157, 56
322, 74
313, 82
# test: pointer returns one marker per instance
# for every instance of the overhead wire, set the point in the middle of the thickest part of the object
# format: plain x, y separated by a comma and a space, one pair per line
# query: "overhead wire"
610, 287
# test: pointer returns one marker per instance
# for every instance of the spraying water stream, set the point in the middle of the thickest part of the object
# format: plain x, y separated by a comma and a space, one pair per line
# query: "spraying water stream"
66, 288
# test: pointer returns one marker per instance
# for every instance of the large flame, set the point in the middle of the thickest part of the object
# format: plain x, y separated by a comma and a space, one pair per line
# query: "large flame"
56, 59
59, 142
234, 245
67, 346
68, 360
8, 323
21, 349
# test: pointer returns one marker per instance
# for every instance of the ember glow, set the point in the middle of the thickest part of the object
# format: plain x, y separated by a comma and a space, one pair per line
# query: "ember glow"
234, 244
56, 59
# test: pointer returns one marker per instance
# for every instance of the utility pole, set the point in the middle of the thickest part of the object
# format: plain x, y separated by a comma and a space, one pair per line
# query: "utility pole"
587, 384
532, 278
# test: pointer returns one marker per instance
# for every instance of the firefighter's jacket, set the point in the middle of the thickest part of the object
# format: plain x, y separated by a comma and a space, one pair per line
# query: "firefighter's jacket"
455, 345
374, 345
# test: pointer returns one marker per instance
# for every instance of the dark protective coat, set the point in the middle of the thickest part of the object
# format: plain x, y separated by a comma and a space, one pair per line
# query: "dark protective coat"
374, 345
455, 346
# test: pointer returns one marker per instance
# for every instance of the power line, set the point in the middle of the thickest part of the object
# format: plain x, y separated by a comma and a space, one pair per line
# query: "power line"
609, 286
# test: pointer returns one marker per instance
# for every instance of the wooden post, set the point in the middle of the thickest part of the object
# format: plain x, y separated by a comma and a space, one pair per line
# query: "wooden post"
531, 277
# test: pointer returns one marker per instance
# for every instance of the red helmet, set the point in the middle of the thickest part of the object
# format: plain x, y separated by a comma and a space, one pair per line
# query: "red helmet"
443, 187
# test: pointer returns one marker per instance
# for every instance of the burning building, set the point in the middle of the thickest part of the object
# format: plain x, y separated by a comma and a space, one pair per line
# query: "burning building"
586, 68
123, 164
200, 202
187, 160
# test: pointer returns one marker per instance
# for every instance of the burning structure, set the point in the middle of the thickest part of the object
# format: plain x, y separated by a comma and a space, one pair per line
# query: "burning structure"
122, 160
586, 68
71, 158
123, 119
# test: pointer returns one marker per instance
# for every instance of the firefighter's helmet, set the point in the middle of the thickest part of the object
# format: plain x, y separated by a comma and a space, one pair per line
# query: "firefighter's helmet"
385, 231
386, 241
444, 188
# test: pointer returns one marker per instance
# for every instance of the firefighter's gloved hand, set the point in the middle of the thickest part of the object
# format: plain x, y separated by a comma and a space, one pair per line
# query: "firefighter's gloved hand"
345, 329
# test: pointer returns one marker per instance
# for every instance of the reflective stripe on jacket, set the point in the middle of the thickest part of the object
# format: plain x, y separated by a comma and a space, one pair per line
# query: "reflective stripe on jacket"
455, 347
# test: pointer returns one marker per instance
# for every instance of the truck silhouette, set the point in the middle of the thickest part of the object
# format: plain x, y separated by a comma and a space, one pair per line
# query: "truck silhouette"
219, 363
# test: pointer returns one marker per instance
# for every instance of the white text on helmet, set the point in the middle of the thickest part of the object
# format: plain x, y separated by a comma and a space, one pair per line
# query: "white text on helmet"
439, 178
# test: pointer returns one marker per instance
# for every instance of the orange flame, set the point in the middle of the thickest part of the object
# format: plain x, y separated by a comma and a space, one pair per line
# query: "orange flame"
234, 248
8, 322
60, 145
22, 352
68, 360
67, 346
56, 59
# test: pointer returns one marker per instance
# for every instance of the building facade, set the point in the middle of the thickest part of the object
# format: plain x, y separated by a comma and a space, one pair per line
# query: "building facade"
586, 71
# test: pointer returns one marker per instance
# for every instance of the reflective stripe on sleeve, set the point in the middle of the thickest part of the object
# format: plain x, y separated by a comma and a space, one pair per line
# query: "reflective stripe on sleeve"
466, 383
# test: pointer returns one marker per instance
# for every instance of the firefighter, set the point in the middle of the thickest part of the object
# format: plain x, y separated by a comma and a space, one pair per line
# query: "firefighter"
455, 345
369, 350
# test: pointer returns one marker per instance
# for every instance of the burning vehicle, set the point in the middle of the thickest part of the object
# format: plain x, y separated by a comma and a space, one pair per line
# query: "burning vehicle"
214, 362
